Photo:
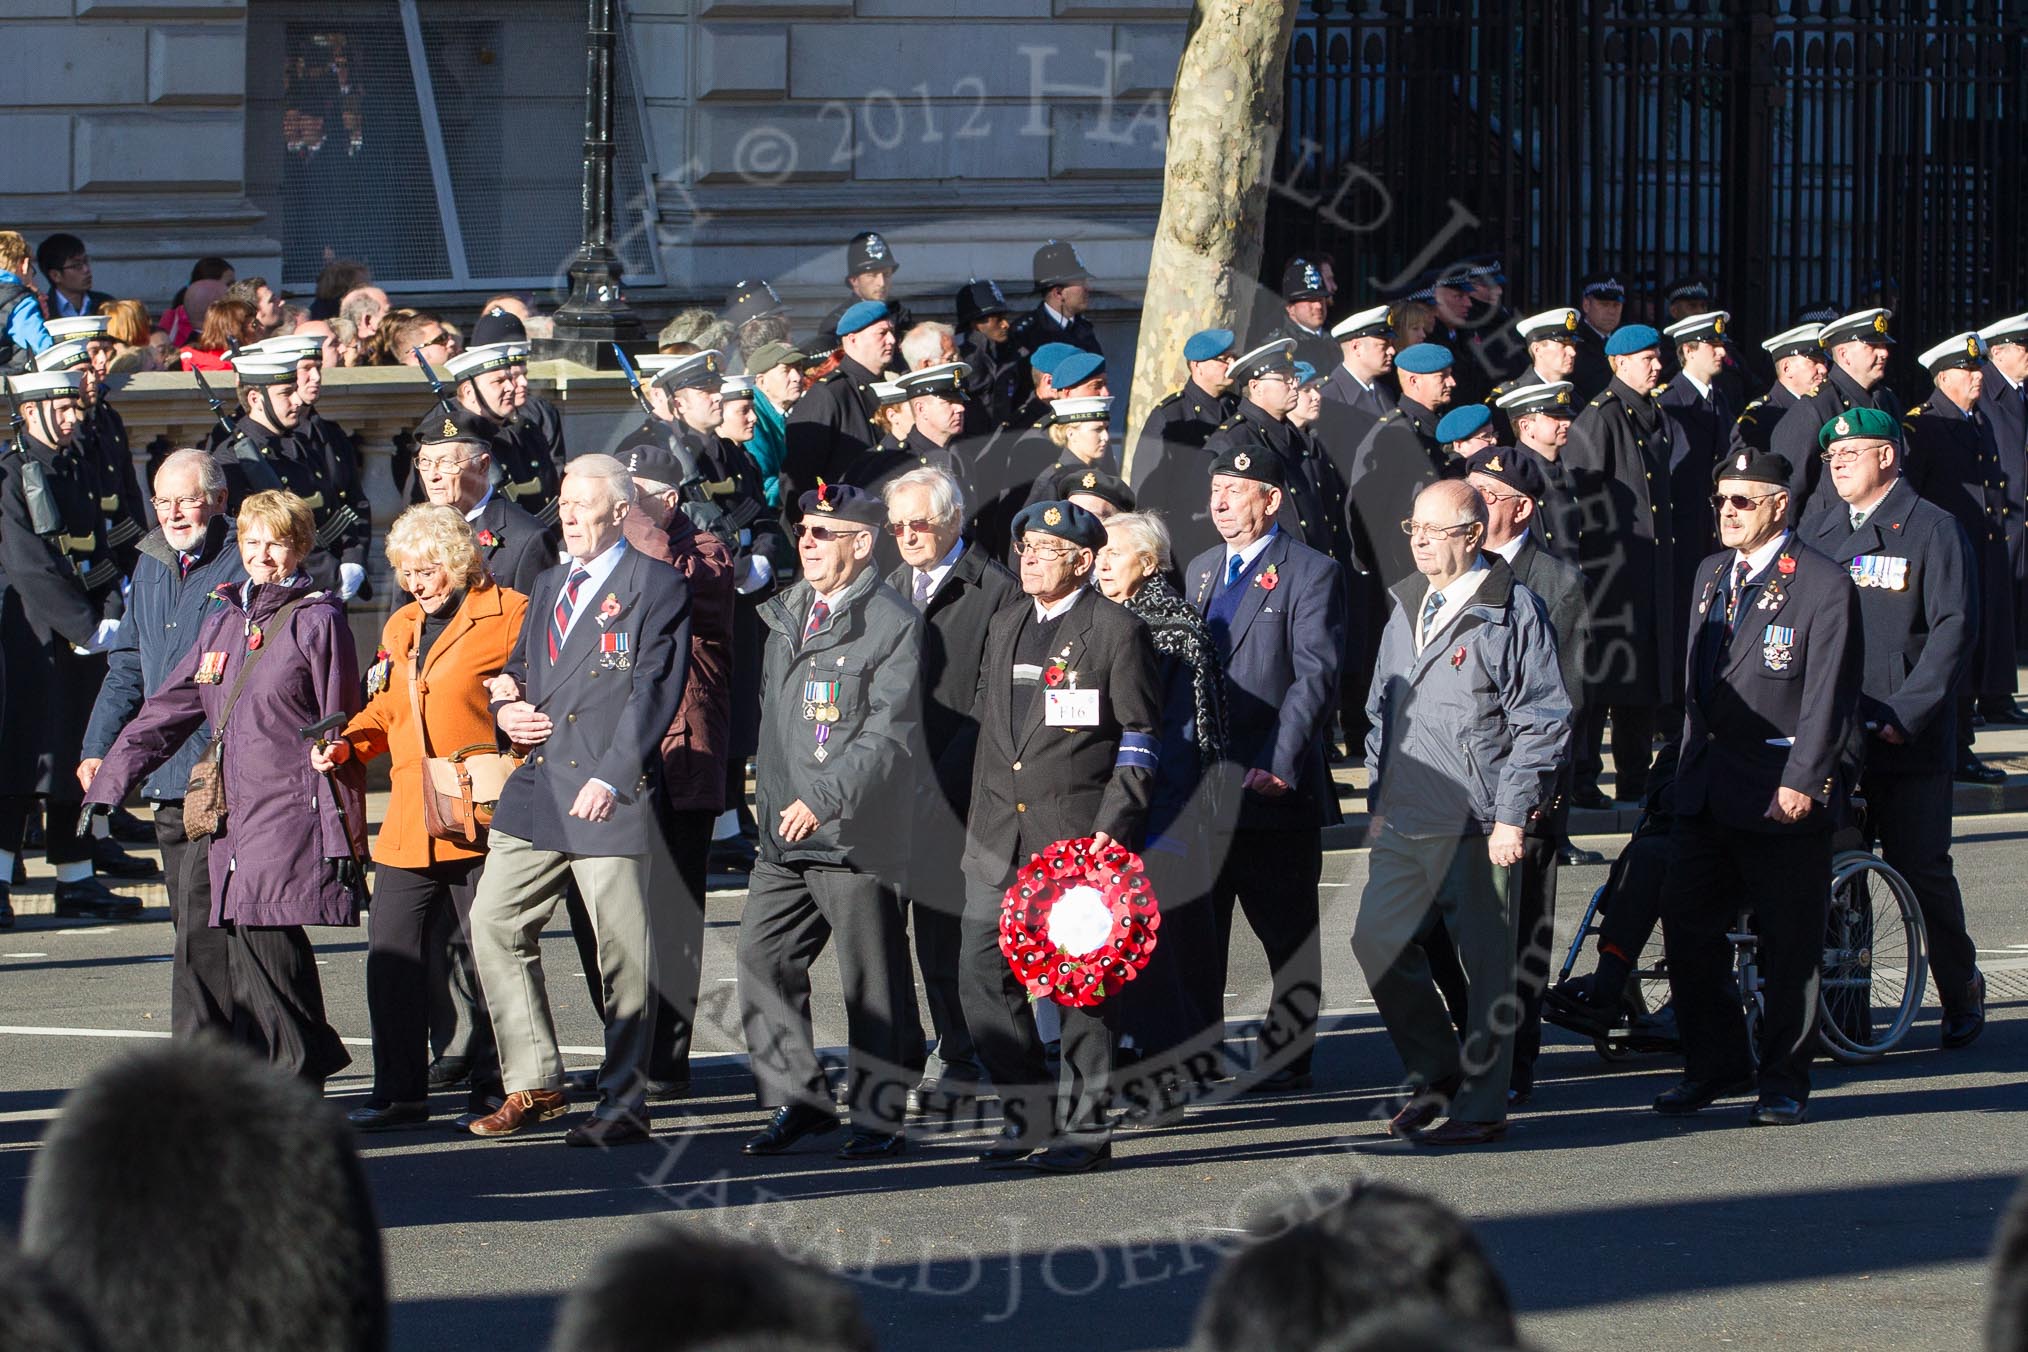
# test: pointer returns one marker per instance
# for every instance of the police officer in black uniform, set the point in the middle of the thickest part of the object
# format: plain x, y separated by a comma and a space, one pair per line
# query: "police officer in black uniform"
264, 453
1799, 368
1914, 569
1306, 304
996, 378
1858, 346
1541, 415
1064, 285
1773, 688
1953, 462
60, 605
1183, 420
870, 266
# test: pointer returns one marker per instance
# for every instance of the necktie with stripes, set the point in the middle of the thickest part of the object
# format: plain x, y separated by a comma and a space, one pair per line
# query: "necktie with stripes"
566, 602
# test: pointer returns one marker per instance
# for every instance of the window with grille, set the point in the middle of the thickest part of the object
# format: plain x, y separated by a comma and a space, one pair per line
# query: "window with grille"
439, 141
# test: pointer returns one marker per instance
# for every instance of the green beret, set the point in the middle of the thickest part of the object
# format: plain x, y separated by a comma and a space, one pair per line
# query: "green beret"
1859, 422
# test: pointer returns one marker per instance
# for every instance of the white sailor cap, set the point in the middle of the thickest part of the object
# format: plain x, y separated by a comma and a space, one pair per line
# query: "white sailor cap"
695, 370
945, 379
1560, 323
1096, 408
79, 326
264, 368
63, 356
736, 387
1861, 326
651, 364
887, 392
289, 347
34, 385
1801, 340
1706, 327
477, 361
1961, 351
1375, 322
2010, 330
1552, 397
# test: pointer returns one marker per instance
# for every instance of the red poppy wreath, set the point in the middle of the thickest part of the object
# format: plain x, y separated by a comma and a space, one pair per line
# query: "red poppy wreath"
1078, 925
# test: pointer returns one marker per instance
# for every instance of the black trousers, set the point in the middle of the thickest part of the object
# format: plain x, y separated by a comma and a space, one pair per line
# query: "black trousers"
677, 878
1534, 942
792, 912
1273, 876
1785, 880
61, 844
1633, 746
1163, 1010
1910, 817
935, 916
278, 1002
411, 910
200, 970
1073, 1109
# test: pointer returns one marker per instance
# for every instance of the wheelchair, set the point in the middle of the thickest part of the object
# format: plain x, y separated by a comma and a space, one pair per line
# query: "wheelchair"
1875, 967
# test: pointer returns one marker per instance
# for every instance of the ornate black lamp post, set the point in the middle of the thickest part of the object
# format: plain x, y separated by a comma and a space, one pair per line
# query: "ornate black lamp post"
596, 315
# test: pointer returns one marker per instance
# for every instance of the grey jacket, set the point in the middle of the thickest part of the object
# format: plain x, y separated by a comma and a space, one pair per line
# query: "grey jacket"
1473, 730
857, 682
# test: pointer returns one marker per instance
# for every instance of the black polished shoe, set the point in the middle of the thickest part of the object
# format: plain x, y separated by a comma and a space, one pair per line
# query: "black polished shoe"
666, 1091
1590, 798
1568, 1004
112, 861
872, 1145
1008, 1150
6, 907
377, 1116
129, 829
581, 1083
1972, 770
448, 1072
1576, 856
605, 1131
2003, 711
90, 899
790, 1124
1287, 1080
1694, 1096
1963, 1024
1776, 1110
1071, 1159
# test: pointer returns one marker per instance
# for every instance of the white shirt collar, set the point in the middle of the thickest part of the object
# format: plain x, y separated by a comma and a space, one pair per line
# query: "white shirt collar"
941, 569
1050, 612
1757, 561
1060, 321
1703, 390
1252, 551
1353, 376
1457, 595
1512, 547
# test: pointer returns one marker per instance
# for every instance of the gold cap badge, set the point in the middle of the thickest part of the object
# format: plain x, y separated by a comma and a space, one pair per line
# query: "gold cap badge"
1090, 480
1718, 325
1972, 345
450, 428
1880, 323
1494, 466
1052, 516
1570, 321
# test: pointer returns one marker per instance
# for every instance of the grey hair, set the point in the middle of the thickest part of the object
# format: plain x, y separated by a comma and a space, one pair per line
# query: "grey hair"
210, 475
619, 483
1144, 533
924, 343
947, 499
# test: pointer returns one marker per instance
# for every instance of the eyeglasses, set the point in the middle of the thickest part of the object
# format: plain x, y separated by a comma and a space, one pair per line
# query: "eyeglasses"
1047, 553
900, 528
1491, 497
448, 464
438, 339
162, 505
1423, 530
825, 533
1740, 501
81, 261
1845, 455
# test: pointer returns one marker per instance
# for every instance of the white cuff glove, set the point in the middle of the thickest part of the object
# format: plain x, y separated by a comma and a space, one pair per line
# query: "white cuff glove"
754, 574
351, 576
102, 637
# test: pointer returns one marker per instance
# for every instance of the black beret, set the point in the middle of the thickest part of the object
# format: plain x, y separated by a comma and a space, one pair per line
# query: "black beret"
1512, 467
1065, 520
843, 502
1098, 484
1243, 462
1761, 467
449, 422
654, 460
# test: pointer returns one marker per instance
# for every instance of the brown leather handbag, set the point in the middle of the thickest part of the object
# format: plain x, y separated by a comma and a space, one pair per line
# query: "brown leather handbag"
204, 795
460, 790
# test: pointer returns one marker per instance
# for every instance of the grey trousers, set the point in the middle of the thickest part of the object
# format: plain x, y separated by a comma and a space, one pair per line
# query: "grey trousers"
518, 893
1406, 877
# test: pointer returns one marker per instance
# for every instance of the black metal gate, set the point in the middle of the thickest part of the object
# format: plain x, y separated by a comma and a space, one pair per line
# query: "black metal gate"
1794, 151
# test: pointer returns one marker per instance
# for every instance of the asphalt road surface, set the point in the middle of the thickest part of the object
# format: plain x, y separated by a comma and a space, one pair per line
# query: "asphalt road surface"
1866, 1228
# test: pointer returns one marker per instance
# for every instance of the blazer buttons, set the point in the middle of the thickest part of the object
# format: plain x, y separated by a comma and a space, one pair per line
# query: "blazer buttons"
1017, 765
538, 760
1021, 807
570, 718
573, 765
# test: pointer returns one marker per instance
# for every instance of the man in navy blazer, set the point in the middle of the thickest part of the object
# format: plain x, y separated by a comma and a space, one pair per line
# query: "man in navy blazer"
594, 683
1276, 610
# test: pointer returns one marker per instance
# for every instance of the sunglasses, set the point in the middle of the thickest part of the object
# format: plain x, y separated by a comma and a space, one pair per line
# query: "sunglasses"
1739, 501
825, 533
920, 527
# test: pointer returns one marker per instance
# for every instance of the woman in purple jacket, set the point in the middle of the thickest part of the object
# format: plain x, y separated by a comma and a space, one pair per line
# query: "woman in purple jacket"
281, 858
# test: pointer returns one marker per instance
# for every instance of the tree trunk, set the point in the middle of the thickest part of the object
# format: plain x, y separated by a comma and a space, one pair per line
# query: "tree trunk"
1225, 118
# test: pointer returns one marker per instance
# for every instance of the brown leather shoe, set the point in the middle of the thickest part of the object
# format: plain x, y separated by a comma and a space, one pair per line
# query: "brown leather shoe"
1425, 1107
522, 1107
1458, 1132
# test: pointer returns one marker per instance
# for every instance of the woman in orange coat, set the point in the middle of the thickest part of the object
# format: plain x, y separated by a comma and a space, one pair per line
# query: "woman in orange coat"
456, 635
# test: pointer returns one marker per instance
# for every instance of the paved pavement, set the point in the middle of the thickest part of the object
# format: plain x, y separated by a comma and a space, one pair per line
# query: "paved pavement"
1867, 1227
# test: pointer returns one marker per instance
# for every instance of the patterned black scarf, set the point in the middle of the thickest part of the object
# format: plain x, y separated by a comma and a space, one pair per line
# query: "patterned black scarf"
1179, 631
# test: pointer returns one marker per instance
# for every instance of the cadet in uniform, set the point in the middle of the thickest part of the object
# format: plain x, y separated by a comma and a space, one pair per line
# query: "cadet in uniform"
1799, 369
1953, 462
1914, 569
836, 801
1774, 669
2003, 398
1702, 415
1356, 392
937, 398
1164, 463
1086, 444
832, 425
1552, 342
1858, 346
1047, 770
1618, 459
1462, 430
1266, 380
1064, 285
1306, 304
264, 453
1399, 458
60, 605
324, 437
81, 345
996, 379
1541, 415
524, 473
529, 422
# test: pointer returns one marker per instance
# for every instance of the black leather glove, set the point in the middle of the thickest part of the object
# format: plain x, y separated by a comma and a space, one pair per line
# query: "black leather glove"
347, 874
84, 818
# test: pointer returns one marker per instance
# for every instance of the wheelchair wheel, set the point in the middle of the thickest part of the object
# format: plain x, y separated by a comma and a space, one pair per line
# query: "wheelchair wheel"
1875, 960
